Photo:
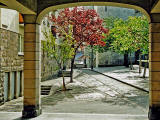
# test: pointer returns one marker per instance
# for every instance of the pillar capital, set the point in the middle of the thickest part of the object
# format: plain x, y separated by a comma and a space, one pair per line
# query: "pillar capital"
29, 19
155, 18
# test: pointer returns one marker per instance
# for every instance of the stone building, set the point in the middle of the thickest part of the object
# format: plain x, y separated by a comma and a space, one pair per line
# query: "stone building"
11, 55
119, 12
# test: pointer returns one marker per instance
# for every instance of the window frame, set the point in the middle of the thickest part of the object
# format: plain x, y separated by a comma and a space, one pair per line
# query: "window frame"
20, 44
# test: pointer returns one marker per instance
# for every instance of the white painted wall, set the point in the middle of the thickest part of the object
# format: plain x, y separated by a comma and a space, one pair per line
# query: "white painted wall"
10, 19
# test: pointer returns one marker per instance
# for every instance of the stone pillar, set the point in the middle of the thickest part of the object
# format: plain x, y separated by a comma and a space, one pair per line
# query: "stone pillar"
154, 67
32, 68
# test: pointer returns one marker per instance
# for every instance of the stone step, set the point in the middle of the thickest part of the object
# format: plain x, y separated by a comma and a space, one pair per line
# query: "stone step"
46, 86
44, 93
45, 89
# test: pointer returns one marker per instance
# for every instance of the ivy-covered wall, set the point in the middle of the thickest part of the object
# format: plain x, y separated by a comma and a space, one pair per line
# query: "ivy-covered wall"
49, 68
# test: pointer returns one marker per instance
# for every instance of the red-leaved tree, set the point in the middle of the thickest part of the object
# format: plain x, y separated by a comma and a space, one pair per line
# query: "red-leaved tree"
87, 28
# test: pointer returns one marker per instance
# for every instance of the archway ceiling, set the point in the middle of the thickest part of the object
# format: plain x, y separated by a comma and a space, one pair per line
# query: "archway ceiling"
156, 7
14, 4
31, 4
42, 4
3, 5
36, 6
39, 5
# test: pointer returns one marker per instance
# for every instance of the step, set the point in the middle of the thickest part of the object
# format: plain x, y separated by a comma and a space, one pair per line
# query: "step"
46, 86
44, 93
45, 90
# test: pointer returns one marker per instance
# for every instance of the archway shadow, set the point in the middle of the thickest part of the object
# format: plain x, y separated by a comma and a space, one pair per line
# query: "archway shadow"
20, 118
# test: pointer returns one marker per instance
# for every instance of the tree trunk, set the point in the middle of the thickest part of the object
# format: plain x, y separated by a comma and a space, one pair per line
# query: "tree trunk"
131, 65
126, 59
140, 63
92, 57
85, 62
137, 53
97, 59
64, 85
145, 67
72, 64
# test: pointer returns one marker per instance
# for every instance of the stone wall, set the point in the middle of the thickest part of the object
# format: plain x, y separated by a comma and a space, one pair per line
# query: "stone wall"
118, 12
110, 58
49, 68
9, 58
1, 84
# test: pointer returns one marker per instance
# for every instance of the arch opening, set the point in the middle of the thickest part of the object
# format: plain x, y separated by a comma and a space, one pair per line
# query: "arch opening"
67, 7
52, 8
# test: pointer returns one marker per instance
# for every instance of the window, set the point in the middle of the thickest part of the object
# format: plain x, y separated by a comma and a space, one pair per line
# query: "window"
20, 44
19, 83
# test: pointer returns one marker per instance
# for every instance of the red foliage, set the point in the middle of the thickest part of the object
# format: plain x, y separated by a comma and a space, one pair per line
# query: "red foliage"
87, 25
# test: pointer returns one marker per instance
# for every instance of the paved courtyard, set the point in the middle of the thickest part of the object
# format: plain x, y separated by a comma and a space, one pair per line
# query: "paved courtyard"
125, 74
90, 94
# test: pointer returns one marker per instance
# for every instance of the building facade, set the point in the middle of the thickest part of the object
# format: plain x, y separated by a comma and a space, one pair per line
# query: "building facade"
11, 55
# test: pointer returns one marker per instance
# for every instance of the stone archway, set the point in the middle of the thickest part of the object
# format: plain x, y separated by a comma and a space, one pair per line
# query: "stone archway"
154, 52
33, 12
51, 8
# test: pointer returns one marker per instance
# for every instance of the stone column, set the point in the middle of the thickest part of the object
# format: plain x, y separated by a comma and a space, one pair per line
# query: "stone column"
154, 67
32, 68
